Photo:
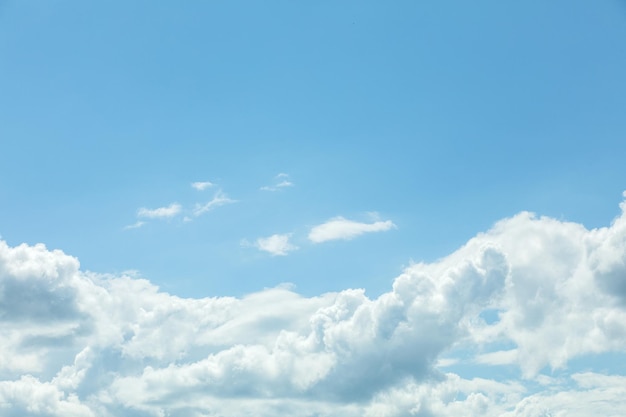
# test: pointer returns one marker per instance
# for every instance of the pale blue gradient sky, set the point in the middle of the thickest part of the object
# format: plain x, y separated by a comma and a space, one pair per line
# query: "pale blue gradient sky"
442, 117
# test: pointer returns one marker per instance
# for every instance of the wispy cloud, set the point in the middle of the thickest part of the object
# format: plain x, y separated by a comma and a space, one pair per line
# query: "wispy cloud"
135, 225
202, 185
161, 212
500, 357
277, 245
341, 228
280, 181
219, 199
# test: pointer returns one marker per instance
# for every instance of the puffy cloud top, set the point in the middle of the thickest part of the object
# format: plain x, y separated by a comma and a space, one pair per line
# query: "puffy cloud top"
83, 344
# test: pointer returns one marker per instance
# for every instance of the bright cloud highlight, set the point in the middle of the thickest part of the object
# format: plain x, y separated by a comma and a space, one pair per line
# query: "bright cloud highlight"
341, 228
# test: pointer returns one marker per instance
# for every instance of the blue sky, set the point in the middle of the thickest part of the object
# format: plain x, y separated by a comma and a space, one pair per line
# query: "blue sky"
341, 143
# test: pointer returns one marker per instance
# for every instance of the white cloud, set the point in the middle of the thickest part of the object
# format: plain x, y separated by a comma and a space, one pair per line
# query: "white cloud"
219, 199
135, 225
280, 181
276, 244
160, 213
341, 228
81, 344
202, 185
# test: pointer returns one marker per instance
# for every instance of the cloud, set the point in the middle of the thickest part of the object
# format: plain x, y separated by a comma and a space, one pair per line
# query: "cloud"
500, 357
83, 344
219, 199
135, 225
341, 228
202, 185
276, 244
160, 213
280, 181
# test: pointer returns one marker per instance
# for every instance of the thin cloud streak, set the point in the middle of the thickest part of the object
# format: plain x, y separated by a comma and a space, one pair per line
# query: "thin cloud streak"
282, 181
136, 225
340, 228
160, 213
220, 199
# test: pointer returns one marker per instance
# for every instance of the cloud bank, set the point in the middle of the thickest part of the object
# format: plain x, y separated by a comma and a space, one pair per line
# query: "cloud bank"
339, 228
81, 344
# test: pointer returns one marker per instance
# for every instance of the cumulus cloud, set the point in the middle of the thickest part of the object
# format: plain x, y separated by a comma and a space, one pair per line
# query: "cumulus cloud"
160, 213
219, 199
76, 343
276, 244
280, 181
202, 185
341, 228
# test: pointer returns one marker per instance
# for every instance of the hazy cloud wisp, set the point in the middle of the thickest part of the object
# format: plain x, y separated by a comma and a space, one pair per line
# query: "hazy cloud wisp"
160, 213
280, 181
201, 185
219, 199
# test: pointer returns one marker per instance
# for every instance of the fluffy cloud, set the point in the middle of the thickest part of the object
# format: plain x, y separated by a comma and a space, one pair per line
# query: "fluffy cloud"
82, 344
161, 212
340, 228
276, 244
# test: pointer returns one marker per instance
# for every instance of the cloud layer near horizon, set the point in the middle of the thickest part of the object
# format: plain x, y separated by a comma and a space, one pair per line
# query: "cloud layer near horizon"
76, 343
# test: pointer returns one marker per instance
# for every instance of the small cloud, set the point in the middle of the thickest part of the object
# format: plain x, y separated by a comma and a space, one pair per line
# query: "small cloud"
446, 362
277, 245
281, 181
341, 228
202, 185
219, 199
284, 184
161, 212
136, 225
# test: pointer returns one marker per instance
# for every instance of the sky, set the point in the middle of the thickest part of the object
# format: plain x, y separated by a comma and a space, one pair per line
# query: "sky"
312, 208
